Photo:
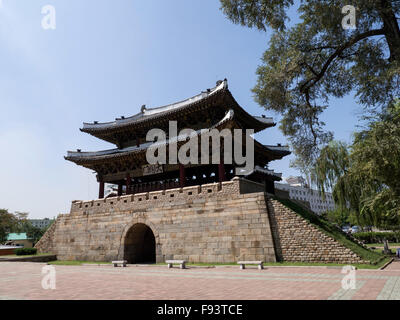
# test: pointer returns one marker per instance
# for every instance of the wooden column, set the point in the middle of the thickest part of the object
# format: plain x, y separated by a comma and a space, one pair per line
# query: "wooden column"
182, 176
221, 171
128, 184
101, 189
137, 141
119, 189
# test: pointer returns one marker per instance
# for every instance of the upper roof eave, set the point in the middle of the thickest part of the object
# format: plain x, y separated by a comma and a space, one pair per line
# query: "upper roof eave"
147, 114
101, 129
279, 149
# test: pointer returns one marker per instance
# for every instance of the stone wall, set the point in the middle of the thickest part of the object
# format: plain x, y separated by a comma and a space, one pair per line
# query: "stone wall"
216, 222
297, 240
208, 223
46, 242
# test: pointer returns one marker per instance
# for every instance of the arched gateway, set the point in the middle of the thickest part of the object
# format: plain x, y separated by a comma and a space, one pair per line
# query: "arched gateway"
140, 244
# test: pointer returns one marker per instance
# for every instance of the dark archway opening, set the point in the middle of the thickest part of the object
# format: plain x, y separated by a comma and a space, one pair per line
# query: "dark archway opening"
140, 245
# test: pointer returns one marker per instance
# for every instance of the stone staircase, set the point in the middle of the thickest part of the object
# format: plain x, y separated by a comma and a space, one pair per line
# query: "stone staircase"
297, 240
45, 244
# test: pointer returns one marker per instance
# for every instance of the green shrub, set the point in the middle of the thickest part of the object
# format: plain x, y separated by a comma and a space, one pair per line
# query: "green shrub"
377, 237
25, 251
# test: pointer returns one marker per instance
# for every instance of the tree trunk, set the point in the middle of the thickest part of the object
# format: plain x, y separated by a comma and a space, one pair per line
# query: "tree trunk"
392, 30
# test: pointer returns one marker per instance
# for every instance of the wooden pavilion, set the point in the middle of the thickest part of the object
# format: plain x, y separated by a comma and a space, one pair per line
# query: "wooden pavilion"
126, 165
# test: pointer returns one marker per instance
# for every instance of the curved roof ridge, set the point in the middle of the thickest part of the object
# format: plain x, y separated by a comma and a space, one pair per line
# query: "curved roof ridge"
79, 154
278, 147
204, 94
153, 111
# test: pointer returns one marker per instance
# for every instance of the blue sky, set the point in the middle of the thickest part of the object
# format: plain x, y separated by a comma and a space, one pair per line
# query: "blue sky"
105, 59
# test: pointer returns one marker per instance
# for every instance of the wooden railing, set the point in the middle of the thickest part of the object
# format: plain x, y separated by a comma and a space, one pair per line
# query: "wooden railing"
152, 186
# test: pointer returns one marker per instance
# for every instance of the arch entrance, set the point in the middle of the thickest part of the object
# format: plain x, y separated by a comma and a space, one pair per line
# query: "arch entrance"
140, 244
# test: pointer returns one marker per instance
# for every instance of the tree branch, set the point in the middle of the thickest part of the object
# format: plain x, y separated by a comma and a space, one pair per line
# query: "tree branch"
312, 81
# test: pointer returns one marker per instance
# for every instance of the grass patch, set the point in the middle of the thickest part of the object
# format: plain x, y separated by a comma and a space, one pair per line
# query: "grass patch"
75, 263
358, 265
394, 244
381, 248
374, 258
10, 256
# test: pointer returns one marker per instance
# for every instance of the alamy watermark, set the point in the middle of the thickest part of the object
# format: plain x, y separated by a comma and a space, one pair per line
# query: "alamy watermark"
349, 20
349, 280
49, 278
49, 19
188, 153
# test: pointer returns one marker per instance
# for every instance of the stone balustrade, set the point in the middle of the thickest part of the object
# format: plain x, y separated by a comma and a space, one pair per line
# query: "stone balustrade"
166, 197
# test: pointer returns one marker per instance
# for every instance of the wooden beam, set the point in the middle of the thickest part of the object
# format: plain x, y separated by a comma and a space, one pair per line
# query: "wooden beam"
221, 171
101, 189
182, 176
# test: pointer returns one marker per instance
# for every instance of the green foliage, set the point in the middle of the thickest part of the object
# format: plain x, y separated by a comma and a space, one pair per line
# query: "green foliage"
259, 14
377, 237
365, 177
333, 162
8, 223
339, 216
18, 222
33, 233
317, 59
25, 251
376, 154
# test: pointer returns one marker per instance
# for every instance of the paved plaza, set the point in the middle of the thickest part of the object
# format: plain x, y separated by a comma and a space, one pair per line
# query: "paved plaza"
20, 280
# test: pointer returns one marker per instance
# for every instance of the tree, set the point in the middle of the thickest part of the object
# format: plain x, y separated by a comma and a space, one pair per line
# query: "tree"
21, 221
376, 154
7, 224
365, 177
317, 59
18, 222
33, 232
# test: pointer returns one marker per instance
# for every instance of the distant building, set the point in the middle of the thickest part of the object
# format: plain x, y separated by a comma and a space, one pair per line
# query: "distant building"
41, 223
297, 189
19, 239
296, 181
7, 250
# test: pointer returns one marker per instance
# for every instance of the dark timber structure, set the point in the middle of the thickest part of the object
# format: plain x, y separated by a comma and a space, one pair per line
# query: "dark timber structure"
127, 167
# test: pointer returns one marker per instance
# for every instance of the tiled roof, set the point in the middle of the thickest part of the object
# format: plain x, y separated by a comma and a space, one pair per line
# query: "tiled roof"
74, 155
147, 116
154, 112
17, 236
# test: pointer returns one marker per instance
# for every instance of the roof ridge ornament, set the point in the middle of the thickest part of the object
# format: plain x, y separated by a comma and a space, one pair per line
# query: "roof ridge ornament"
225, 82
143, 108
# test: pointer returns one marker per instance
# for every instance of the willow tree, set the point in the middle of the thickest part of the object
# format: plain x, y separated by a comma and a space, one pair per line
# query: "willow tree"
376, 154
317, 59
365, 177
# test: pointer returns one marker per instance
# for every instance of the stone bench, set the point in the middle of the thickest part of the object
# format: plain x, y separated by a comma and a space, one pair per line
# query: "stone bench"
182, 263
122, 262
243, 264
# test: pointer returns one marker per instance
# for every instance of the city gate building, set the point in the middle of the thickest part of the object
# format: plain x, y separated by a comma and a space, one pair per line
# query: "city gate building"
199, 212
